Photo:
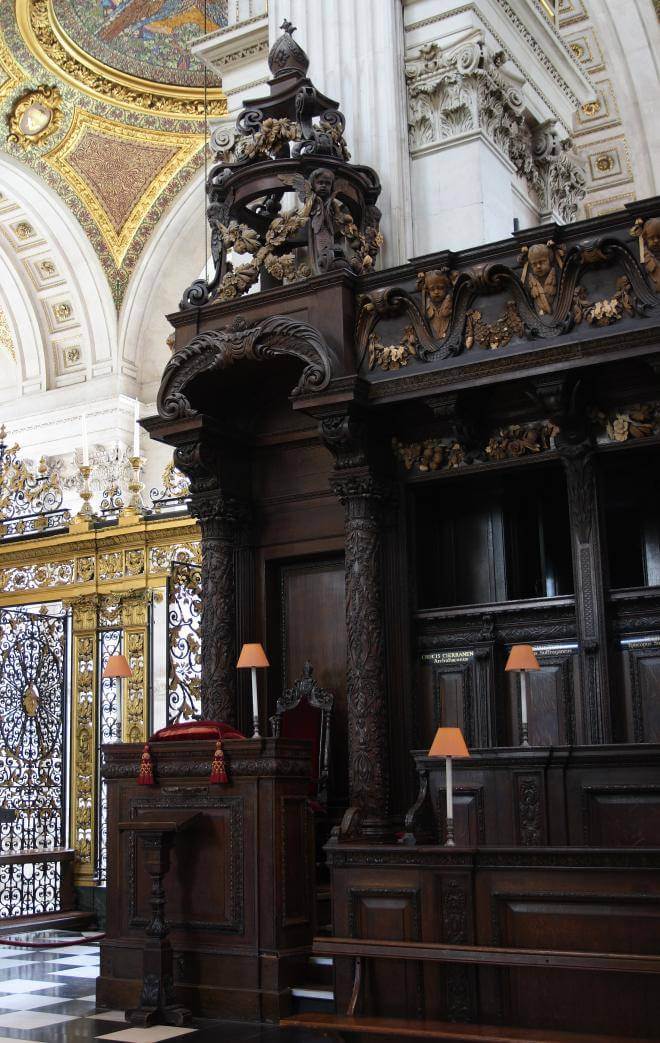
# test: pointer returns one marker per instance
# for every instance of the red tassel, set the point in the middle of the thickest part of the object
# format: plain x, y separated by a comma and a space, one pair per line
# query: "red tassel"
146, 776
218, 767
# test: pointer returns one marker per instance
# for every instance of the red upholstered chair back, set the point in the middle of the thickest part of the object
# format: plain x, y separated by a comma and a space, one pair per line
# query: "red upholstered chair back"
304, 712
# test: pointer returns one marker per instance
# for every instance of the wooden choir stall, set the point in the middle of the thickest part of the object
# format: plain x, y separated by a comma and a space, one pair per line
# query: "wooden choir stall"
399, 475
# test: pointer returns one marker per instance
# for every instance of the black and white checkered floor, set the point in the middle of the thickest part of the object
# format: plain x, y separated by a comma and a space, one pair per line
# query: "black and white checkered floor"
47, 996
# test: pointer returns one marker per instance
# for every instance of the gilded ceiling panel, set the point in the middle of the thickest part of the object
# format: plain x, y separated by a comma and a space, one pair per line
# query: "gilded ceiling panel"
148, 39
118, 131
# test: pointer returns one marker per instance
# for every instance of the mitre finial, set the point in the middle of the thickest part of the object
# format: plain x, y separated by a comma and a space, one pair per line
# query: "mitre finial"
287, 56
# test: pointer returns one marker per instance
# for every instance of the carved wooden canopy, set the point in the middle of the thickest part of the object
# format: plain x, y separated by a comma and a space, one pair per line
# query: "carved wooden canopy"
288, 142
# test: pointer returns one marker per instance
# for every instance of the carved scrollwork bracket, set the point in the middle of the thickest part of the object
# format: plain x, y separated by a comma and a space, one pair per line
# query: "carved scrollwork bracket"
273, 337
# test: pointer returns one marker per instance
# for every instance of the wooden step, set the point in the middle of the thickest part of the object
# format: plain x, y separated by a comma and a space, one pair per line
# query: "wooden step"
402, 1028
62, 921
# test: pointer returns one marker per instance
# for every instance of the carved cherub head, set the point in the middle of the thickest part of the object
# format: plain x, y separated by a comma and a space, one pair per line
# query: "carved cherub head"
436, 284
437, 288
322, 182
540, 259
651, 233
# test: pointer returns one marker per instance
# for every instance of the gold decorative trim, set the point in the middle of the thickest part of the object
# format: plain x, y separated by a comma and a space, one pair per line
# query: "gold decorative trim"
84, 738
61, 56
14, 72
44, 98
187, 146
6, 338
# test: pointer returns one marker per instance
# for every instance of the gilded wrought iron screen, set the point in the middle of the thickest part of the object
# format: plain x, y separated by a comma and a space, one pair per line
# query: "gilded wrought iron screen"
32, 756
184, 600
110, 717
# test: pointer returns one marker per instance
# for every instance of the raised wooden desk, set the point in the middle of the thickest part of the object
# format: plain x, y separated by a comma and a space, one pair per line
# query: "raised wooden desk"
240, 889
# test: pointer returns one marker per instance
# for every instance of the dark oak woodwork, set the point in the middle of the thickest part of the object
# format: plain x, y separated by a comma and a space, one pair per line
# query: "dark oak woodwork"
408, 516
599, 796
240, 890
401, 1028
598, 906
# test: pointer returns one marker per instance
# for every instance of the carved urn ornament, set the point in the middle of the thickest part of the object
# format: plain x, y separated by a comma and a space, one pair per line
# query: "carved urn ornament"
288, 145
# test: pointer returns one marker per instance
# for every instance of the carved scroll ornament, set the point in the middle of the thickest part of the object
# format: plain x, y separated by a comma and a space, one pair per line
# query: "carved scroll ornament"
208, 352
547, 299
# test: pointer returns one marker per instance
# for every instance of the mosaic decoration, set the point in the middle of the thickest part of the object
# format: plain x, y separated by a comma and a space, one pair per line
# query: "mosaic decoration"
149, 39
118, 172
123, 149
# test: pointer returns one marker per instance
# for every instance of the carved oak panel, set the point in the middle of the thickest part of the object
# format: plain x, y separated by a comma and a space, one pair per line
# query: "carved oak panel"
552, 694
211, 893
296, 835
641, 684
603, 922
390, 913
625, 815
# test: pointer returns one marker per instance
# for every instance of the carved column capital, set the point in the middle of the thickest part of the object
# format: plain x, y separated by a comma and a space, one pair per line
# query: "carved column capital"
362, 494
221, 517
578, 461
345, 434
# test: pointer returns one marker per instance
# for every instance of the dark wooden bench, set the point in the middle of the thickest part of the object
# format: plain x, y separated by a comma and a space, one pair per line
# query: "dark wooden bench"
361, 950
402, 1028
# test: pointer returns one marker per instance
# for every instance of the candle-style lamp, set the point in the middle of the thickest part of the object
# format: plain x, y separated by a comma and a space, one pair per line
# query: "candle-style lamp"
522, 658
117, 666
448, 743
251, 657
85, 512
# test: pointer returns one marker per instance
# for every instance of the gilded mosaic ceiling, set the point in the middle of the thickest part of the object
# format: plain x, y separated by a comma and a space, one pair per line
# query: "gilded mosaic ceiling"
149, 39
102, 99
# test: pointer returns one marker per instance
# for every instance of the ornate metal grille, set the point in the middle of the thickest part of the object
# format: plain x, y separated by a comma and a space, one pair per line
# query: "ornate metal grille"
30, 501
109, 730
32, 728
184, 600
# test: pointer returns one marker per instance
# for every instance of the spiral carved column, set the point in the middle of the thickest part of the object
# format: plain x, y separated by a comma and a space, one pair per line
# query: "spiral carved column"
218, 619
365, 498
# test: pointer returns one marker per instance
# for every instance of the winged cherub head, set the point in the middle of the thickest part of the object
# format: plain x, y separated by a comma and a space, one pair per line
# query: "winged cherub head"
322, 182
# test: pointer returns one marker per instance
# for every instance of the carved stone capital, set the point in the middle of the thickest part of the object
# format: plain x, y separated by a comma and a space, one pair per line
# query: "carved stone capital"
470, 88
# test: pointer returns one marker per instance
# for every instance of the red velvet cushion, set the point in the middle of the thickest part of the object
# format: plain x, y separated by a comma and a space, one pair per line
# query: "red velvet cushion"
196, 730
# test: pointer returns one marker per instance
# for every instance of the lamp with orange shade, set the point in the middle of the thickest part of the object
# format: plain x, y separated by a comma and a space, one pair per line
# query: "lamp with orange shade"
253, 656
522, 658
448, 743
117, 666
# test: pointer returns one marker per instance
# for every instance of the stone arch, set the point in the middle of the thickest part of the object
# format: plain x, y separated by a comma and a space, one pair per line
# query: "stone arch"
60, 281
175, 252
23, 326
